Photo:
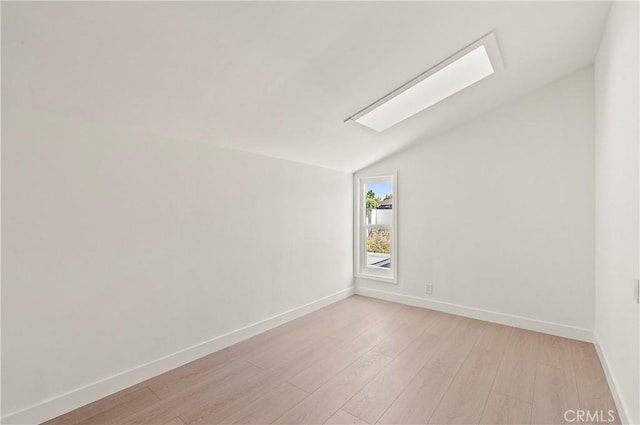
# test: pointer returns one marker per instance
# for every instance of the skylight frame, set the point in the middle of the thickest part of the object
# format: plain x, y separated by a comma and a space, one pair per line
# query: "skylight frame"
490, 43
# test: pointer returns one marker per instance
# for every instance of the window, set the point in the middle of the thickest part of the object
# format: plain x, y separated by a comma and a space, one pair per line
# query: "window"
376, 211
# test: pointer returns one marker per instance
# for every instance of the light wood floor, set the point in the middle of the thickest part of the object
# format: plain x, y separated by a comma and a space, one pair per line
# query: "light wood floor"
363, 360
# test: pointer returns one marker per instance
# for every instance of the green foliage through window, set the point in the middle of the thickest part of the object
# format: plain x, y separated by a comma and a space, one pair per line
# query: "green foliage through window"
379, 240
372, 200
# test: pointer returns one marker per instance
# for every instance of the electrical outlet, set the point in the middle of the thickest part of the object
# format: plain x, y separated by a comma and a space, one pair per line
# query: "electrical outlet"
429, 289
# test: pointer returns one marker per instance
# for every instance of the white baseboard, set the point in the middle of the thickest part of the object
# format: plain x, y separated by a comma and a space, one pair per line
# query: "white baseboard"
611, 380
486, 315
78, 397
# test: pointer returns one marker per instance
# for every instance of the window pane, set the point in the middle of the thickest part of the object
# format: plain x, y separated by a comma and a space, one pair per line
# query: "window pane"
378, 203
379, 248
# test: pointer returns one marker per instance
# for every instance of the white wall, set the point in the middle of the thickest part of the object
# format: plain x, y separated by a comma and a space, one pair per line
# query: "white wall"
498, 214
616, 93
119, 249
381, 216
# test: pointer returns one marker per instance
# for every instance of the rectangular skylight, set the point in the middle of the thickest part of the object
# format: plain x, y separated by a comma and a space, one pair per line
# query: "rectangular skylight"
460, 71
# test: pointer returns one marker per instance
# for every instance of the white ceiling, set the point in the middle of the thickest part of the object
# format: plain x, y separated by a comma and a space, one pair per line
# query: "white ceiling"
279, 78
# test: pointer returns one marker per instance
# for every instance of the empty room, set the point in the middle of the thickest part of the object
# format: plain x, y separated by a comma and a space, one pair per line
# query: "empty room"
298, 212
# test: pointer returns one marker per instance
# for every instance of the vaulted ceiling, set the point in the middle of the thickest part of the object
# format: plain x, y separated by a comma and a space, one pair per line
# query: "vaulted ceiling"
278, 79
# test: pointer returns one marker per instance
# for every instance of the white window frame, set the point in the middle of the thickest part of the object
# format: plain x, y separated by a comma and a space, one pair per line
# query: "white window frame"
361, 270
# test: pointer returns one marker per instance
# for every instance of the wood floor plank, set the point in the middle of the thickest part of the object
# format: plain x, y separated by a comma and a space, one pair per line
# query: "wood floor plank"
189, 372
451, 353
315, 376
216, 408
110, 403
593, 389
444, 324
343, 418
270, 359
236, 351
320, 322
375, 397
555, 351
389, 320
175, 421
194, 398
555, 388
494, 337
330, 324
397, 341
516, 374
321, 404
220, 409
501, 409
555, 392
140, 399
166, 386
418, 400
115, 400
466, 396
269, 407
265, 357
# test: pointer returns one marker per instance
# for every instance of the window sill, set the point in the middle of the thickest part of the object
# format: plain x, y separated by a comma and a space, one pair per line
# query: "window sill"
390, 280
